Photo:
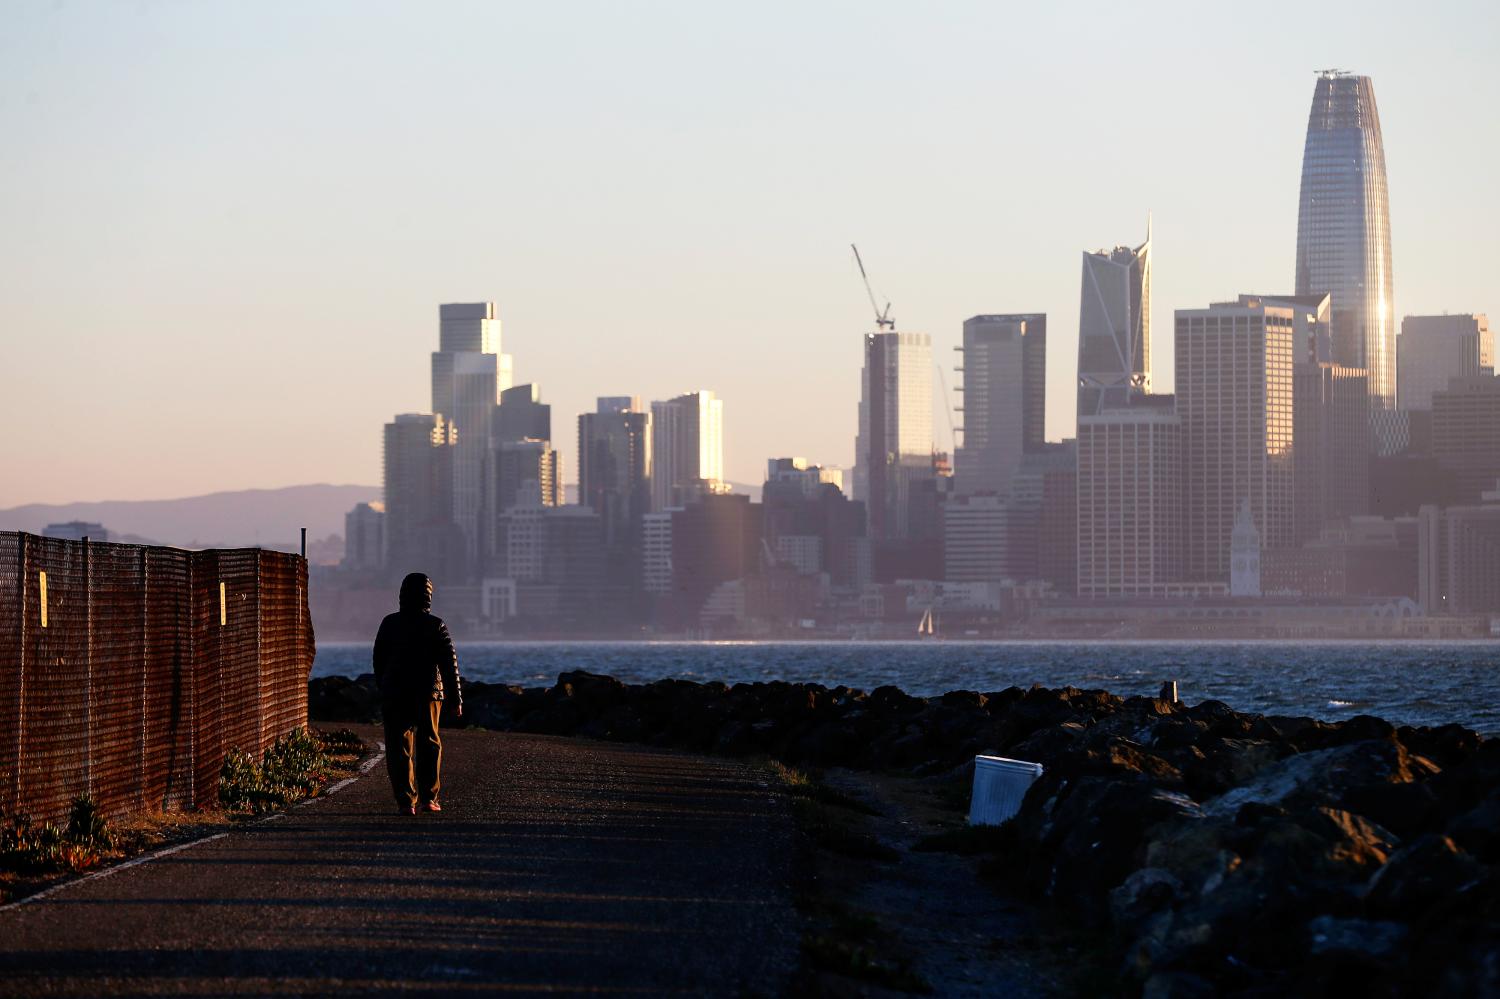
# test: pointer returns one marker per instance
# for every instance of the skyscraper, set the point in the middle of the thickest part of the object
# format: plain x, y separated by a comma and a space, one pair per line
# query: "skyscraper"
1041, 516
1434, 349
894, 446
614, 466
467, 328
1344, 229
420, 534
1114, 327
1458, 560
524, 473
1466, 433
715, 540
1331, 428
976, 535
364, 538
687, 449
472, 390
1235, 401
1004, 393
468, 375
1330, 421
522, 415
1130, 524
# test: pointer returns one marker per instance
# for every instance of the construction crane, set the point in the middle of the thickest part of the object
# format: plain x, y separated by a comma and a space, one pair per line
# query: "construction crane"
883, 321
883, 318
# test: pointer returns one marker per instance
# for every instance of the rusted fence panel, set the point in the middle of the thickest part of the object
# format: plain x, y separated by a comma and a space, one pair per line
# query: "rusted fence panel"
127, 672
11, 617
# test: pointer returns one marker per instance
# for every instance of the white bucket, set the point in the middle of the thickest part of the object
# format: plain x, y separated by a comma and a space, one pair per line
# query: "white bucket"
999, 786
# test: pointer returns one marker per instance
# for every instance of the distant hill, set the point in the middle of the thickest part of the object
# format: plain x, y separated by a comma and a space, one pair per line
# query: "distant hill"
753, 491
265, 517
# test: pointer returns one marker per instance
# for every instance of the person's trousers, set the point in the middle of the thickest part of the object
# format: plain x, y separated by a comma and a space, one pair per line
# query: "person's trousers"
413, 751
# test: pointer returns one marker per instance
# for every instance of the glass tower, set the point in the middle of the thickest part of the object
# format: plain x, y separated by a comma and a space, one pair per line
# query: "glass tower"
894, 445
1344, 228
1114, 327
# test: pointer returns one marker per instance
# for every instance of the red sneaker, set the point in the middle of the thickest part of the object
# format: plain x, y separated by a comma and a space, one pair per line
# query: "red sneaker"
406, 809
431, 806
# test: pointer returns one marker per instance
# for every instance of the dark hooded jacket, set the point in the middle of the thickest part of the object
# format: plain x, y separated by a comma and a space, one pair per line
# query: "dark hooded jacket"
414, 656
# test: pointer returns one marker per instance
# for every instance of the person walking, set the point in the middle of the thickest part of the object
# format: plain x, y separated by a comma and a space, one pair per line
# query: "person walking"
416, 669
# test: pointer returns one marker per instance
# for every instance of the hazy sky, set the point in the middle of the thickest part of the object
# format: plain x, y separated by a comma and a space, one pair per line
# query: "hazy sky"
225, 228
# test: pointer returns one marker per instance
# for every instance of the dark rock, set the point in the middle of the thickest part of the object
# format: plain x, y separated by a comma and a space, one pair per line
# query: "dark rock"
591, 692
1464, 785
1408, 809
963, 699
736, 739
1446, 745
1222, 720
1478, 829
1361, 937
1421, 875
1178, 985
1144, 892
1195, 853
1099, 827
830, 745
493, 705
1046, 744
1360, 728
1001, 701
1455, 947
1227, 763
894, 701
1319, 849
1352, 839
1302, 734
1322, 776
339, 699
1179, 732
1124, 758
1253, 812
1149, 706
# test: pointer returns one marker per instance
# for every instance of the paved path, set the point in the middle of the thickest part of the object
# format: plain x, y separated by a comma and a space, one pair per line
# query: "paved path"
558, 866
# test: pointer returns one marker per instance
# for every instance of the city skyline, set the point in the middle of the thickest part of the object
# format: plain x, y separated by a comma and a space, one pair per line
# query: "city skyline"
317, 291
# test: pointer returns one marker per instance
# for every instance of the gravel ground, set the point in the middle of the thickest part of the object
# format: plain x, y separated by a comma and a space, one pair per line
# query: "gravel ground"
558, 865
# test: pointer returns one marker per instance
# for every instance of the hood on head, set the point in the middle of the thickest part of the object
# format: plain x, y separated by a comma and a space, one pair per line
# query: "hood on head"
416, 592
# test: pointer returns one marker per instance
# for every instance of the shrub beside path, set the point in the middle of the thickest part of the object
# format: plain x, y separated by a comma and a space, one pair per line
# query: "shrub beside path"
557, 865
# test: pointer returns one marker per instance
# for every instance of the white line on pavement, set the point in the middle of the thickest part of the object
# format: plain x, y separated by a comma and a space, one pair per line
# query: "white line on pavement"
146, 858
136, 862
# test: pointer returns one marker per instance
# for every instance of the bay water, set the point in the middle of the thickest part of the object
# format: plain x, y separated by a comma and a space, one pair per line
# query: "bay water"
1415, 683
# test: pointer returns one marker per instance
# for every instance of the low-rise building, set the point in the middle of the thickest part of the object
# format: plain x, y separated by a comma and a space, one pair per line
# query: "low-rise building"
76, 530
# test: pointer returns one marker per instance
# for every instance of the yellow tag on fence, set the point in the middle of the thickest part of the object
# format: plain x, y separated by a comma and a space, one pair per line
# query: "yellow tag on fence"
223, 612
42, 585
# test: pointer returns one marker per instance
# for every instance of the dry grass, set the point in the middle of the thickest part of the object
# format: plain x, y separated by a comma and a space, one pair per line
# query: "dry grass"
34, 856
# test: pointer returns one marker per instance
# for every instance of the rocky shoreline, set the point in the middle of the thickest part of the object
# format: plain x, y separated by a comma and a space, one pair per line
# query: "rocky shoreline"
1221, 852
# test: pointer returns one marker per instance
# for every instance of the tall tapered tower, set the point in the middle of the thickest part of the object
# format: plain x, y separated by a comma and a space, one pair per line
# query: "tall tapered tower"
1344, 229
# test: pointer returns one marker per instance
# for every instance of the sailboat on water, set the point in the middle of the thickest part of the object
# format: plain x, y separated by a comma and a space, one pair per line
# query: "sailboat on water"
926, 628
